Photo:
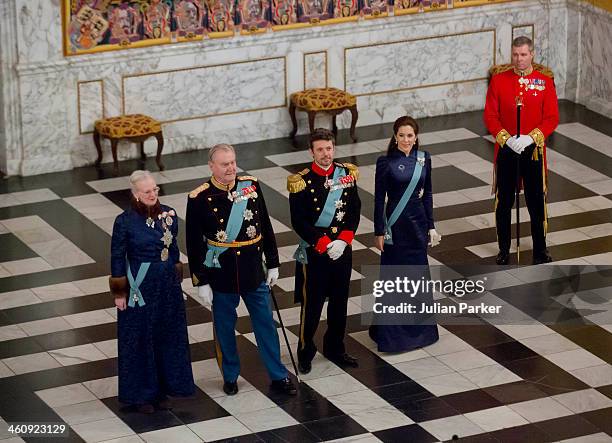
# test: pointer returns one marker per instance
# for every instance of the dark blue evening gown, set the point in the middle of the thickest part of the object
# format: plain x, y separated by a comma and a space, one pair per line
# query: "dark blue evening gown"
154, 358
410, 238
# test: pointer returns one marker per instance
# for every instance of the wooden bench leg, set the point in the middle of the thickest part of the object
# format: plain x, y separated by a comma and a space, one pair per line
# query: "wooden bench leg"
311, 120
160, 145
114, 143
354, 116
96, 138
293, 120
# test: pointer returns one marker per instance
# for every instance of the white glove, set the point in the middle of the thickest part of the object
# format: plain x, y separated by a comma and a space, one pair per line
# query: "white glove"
272, 277
524, 141
205, 294
335, 249
434, 238
513, 143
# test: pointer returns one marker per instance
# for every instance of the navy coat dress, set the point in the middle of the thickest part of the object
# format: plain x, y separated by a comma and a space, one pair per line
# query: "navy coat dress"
410, 237
153, 347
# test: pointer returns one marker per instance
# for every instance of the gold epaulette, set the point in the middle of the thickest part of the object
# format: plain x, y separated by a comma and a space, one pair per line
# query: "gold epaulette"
353, 170
544, 70
196, 191
296, 183
498, 69
247, 177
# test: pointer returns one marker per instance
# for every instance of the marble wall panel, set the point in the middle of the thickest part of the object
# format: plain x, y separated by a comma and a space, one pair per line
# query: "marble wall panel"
315, 70
90, 96
408, 64
207, 91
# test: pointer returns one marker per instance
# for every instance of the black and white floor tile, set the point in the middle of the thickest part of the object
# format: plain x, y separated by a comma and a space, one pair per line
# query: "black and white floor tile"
481, 382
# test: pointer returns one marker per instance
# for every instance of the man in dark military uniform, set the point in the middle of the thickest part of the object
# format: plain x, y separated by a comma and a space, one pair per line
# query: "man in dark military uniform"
534, 90
325, 210
228, 229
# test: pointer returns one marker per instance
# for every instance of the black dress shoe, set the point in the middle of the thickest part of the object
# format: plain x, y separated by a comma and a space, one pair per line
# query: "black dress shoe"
541, 257
230, 387
284, 386
502, 258
343, 360
304, 367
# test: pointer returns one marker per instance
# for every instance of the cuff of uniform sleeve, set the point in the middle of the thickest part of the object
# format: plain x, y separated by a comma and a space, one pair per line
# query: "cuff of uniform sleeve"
538, 137
347, 236
321, 245
502, 137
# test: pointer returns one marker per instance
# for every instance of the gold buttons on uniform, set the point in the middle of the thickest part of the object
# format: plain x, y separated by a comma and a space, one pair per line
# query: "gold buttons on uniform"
334, 230
221, 220
209, 199
318, 209
312, 190
309, 181
314, 199
237, 252
215, 209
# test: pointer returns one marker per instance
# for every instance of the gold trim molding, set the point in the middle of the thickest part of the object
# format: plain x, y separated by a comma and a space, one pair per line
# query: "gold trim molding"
455, 82
79, 83
193, 68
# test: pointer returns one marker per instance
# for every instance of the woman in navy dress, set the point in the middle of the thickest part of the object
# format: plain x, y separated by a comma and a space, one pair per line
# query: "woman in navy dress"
405, 241
154, 360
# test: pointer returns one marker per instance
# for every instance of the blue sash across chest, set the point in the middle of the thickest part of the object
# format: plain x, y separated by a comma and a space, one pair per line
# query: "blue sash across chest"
401, 205
326, 216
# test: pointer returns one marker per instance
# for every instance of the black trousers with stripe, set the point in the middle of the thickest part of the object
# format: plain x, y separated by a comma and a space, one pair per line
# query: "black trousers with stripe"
323, 278
531, 172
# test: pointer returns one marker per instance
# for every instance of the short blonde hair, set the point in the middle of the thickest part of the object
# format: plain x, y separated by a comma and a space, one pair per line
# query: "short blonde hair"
219, 147
139, 175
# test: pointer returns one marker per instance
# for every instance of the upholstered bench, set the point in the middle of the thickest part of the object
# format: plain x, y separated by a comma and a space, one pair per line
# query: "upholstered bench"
135, 128
332, 101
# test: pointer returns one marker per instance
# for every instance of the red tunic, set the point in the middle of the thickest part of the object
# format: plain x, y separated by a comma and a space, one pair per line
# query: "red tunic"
539, 114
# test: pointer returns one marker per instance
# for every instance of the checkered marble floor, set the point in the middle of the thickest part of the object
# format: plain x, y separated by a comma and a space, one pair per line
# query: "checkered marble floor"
480, 382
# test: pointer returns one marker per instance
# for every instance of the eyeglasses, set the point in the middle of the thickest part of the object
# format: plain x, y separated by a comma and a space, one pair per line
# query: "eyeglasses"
155, 191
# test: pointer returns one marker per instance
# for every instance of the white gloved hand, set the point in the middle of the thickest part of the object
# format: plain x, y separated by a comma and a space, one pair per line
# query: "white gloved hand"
524, 141
434, 238
335, 249
513, 143
272, 277
205, 294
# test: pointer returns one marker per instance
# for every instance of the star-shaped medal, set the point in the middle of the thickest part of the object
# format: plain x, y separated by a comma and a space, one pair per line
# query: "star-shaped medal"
247, 215
221, 236
421, 161
421, 192
339, 215
339, 204
251, 232
167, 238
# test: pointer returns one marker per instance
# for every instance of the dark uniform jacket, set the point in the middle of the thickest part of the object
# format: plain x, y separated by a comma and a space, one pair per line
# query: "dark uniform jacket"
307, 199
208, 211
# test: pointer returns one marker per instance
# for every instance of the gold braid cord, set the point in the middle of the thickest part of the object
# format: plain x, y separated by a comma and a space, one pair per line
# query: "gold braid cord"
538, 137
353, 170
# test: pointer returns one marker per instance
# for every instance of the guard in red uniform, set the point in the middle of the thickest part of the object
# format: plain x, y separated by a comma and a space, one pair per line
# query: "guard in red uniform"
534, 88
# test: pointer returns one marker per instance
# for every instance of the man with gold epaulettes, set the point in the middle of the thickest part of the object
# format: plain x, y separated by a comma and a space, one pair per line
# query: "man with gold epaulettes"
325, 211
534, 90
228, 229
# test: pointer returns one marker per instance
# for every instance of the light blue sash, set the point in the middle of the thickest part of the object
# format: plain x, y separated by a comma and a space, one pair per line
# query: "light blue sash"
416, 175
325, 218
234, 225
135, 294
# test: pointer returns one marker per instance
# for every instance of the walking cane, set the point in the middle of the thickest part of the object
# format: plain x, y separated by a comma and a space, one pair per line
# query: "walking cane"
280, 320
519, 105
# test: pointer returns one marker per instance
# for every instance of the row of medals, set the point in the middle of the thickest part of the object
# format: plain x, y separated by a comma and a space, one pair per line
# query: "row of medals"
167, 237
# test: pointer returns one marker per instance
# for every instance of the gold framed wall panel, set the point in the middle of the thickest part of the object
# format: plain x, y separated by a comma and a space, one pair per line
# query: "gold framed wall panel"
80, 107
194, 68
467, 3
428, 85
305, 55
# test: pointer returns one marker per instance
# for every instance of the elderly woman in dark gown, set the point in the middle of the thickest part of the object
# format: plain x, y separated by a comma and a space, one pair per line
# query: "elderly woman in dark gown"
153, 348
